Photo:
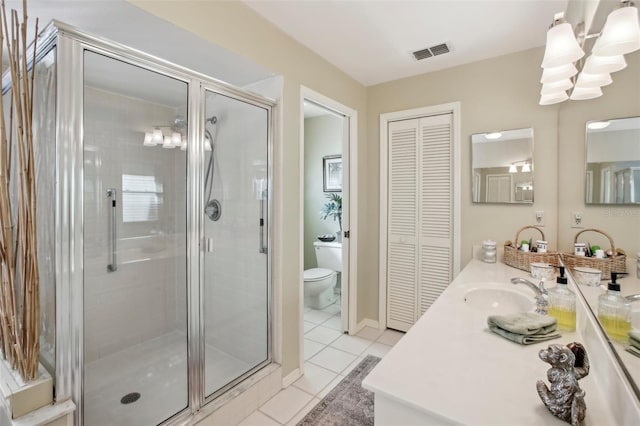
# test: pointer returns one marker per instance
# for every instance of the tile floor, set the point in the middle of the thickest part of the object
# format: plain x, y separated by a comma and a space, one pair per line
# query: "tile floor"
329, 356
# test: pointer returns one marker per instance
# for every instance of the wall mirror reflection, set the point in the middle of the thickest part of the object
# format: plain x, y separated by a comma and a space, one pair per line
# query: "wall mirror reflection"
613, 161
502, 166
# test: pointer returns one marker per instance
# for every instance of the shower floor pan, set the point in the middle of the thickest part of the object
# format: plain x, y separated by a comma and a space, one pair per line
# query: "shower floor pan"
157, 370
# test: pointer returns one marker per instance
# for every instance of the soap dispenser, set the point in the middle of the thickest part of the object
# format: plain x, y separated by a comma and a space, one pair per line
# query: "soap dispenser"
562, 304
614, 311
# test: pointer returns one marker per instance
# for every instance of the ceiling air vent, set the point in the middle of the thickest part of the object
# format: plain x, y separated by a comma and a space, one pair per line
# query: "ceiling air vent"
436, 50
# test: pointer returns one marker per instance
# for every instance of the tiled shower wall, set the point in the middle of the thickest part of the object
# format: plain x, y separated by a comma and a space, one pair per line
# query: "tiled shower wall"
236, 271
146, 296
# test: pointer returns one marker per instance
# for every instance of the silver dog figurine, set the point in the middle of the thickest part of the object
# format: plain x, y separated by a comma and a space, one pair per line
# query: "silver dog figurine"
564, 398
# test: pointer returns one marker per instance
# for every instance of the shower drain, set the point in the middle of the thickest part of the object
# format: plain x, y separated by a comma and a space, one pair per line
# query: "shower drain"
130, 398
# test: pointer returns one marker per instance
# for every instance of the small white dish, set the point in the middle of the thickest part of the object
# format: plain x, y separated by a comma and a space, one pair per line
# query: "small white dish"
542, 271
587, 276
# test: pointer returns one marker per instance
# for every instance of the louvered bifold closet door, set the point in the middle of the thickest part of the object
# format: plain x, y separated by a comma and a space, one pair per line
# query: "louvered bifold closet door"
435, 209
402, 249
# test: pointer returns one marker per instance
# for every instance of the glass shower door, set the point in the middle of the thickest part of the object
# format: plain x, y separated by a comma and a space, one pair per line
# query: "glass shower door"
235, 199
135, 320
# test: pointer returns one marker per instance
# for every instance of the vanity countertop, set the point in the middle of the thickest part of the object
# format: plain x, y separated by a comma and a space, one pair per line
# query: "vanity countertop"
452, 369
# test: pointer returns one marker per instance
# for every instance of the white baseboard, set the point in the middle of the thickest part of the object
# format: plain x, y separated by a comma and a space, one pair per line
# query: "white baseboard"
367, 322
291, 377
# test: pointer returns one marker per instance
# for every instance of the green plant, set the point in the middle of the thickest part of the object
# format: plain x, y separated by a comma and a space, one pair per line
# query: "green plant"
333, 208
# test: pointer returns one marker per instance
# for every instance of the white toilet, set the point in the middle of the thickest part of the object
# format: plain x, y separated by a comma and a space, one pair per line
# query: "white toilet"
319, 282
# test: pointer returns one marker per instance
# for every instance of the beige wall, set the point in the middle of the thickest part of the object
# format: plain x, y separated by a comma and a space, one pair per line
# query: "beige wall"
495, 94
620, 99
499, 93
322, 136
234, 26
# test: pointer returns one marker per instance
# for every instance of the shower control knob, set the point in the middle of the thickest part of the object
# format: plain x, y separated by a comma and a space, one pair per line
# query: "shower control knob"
213, 210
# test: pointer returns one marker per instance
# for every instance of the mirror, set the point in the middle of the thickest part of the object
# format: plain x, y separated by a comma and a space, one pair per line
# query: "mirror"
502, 167
613, 161
629, 285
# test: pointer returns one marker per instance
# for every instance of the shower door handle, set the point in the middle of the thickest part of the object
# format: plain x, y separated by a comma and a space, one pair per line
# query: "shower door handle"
263, 247
112, 194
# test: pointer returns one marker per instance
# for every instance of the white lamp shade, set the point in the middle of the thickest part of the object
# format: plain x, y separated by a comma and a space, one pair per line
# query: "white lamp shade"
526, 168
148, 139
157, 136
604, 64
551, 75
558, 86
593, 80
513, 169
176, 139
584, 93
553, 98
562, 47
168, 143
621, 33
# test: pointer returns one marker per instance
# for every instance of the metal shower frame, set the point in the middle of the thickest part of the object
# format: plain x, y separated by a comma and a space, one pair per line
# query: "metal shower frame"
70, 44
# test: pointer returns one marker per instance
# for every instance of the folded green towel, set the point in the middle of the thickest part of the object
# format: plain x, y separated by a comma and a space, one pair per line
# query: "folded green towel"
524, 339
525, 328
634, 339
633, 350
526, 323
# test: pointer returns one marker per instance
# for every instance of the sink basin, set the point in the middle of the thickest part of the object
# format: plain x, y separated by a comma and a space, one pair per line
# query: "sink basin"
499, 301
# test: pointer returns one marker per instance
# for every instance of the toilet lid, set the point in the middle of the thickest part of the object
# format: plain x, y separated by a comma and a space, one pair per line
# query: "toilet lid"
315, 274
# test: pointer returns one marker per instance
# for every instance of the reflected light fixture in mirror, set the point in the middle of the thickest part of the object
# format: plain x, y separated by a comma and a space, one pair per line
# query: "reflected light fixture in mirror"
612, 167
620, 35
502, 166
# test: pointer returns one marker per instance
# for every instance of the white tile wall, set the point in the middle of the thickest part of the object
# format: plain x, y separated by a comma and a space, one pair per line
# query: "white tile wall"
145, 297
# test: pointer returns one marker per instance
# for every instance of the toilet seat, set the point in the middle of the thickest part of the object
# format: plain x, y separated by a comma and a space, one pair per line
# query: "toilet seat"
317, 274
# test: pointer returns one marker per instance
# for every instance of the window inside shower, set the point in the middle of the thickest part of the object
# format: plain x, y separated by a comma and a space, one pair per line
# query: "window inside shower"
135, 220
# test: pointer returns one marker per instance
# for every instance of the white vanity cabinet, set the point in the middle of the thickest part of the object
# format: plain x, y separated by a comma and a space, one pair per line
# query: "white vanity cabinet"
449, 369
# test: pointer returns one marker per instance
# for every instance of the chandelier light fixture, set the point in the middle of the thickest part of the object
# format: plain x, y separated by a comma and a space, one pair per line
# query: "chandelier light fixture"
563, 56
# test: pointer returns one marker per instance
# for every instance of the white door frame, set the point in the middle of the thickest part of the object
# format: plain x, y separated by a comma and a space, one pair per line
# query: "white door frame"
385, 119
349, 217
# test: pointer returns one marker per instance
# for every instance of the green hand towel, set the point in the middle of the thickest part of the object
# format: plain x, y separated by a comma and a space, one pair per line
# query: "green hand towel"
523, 339
527, 323
633, 350
634, 339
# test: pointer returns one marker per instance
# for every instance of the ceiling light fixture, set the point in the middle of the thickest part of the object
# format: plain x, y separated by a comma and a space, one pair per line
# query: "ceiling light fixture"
620, 35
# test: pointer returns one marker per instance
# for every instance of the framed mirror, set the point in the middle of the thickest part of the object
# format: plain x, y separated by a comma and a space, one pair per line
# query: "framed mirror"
613, 161
502, 167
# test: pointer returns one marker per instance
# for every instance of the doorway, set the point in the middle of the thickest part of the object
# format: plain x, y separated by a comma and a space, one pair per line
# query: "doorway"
327, 283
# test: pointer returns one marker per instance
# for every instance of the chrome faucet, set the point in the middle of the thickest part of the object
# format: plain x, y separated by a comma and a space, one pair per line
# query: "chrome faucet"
633, 297
539, 290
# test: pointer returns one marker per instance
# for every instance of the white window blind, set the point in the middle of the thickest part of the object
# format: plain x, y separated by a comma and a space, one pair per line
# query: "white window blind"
142, 198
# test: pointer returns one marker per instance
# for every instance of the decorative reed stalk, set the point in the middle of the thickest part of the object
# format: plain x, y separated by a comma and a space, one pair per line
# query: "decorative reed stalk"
19, 276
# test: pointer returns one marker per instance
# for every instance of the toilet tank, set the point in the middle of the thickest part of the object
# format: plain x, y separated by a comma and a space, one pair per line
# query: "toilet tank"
329, 255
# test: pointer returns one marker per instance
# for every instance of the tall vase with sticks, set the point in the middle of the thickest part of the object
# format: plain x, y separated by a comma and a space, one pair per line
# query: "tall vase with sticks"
19, 286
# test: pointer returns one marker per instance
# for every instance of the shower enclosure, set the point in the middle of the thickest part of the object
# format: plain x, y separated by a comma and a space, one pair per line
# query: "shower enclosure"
154, 199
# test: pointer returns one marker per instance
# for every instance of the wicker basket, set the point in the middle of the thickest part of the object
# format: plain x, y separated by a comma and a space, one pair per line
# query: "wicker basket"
522, 259
616, 262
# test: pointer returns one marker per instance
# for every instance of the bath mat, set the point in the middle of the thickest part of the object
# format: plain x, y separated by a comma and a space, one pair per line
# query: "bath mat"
348, 403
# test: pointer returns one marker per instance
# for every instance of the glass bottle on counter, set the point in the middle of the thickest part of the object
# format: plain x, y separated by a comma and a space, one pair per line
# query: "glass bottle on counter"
614, 311
562, 304
489, 252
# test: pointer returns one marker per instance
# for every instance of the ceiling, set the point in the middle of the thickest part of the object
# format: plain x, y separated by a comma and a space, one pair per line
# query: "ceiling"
122, 22
372, 41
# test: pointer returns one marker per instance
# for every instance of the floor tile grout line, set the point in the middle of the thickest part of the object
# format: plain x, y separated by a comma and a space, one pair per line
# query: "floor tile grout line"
296, 413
